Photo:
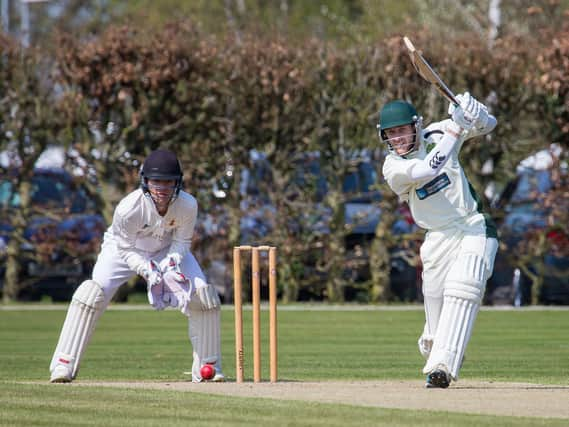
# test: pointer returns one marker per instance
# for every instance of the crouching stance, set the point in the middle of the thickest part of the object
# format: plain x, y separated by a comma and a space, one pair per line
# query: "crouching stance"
150, 236
460, 244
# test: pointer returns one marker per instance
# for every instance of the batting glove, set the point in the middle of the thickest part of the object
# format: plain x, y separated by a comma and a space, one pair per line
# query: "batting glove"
469, 113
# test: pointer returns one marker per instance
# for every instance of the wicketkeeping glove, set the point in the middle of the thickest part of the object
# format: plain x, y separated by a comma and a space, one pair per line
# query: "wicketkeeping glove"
177, 291
154, 284
172, 264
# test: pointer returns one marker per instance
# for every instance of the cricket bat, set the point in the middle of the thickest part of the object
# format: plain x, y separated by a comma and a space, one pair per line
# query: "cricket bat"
427, 72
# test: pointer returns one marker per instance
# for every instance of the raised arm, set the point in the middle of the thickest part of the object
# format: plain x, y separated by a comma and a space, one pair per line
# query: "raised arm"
469, 119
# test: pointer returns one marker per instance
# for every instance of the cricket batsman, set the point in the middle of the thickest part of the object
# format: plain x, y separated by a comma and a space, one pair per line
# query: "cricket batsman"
150, 235
460, 244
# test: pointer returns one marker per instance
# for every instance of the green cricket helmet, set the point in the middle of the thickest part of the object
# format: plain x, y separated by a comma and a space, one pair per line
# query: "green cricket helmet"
399, 113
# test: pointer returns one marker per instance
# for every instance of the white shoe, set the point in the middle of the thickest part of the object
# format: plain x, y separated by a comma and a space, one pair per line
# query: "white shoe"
61, 374
218, 378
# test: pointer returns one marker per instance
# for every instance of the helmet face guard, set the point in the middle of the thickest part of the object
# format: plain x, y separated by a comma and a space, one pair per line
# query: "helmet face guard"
161, 165
395, 114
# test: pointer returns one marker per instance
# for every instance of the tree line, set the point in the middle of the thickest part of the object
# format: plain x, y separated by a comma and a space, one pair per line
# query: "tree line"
214, 100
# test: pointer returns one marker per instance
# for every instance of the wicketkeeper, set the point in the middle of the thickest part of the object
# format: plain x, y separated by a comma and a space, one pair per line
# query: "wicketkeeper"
460, 244
150, 236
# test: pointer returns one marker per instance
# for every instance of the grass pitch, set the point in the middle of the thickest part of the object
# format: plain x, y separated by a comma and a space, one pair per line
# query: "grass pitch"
143, 345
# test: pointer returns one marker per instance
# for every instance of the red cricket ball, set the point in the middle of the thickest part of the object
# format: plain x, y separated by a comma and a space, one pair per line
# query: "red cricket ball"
207, 372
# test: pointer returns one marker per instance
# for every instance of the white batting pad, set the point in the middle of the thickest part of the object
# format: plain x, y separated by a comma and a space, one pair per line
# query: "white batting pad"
463, 292
86, 306
205, 336
207, 295
455, 328
467, 278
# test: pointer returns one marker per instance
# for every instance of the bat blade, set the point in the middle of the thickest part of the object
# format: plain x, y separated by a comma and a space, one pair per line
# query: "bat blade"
426, 72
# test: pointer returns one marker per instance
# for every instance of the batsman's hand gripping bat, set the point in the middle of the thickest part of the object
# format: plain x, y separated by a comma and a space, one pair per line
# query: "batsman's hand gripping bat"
427, 72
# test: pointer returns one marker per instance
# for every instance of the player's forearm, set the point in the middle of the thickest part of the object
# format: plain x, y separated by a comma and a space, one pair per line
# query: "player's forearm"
134, 260
431, 165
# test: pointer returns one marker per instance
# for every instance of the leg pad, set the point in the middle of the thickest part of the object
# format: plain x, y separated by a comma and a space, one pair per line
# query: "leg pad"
463, 292
86, 306
204, 334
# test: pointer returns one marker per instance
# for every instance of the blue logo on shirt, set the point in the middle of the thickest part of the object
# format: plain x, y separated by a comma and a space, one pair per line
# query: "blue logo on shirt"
433, 186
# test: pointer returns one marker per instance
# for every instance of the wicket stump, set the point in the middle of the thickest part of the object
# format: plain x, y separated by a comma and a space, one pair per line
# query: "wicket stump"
256, 303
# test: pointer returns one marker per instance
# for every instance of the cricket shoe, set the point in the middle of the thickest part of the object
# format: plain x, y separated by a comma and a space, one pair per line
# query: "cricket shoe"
61, 374
439, 378
218, 378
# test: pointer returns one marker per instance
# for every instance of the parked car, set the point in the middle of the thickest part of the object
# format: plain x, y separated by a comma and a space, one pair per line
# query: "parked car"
62, 236
362, 213
525, 216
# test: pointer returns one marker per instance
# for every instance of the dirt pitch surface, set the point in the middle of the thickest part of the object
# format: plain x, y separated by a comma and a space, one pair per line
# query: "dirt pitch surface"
475, 397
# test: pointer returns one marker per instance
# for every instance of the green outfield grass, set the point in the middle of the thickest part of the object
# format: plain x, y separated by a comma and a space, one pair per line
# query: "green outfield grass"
517, 346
